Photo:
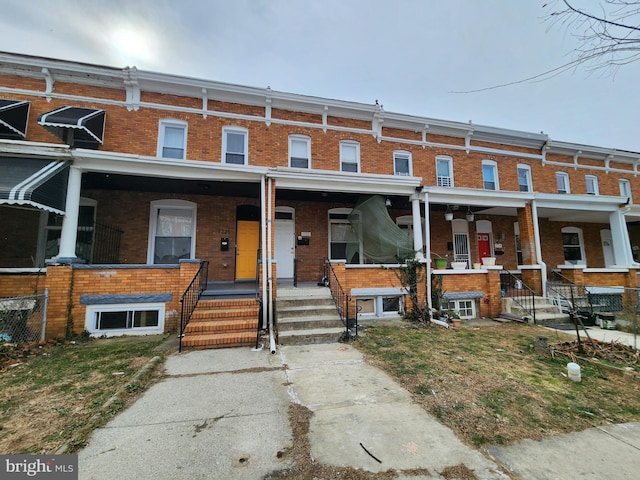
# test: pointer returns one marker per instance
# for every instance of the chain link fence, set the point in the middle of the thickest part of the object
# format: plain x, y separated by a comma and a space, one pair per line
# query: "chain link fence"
23, 319
609, 308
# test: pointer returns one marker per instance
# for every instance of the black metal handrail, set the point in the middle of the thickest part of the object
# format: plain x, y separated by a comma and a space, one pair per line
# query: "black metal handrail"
566, 294
341, 299
190, 297
523, 295
98, 243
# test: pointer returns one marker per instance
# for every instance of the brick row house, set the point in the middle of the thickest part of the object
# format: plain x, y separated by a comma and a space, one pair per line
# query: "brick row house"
116, 184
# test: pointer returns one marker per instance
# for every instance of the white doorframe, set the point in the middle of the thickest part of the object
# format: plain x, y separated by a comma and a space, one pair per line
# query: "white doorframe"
284, 236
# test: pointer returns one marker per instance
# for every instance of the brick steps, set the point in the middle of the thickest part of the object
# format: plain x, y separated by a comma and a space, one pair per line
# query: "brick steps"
219, 340
222, 323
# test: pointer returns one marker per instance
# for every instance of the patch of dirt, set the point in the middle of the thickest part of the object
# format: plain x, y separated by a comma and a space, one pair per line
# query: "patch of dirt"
304, 467
458, 472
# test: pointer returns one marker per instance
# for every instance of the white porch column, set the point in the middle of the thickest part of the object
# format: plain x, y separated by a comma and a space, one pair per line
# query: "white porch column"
427, 242
417, 227
69, 233
620, 238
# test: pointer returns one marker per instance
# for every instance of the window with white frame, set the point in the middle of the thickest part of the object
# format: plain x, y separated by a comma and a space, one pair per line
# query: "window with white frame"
342, 237
592, 184
625, 189
172, 226
381, 306
524, 178
490, 175
402, 163
562, 181
444, 171
299, 151
125, 319
235, 145
573, 246
349, 156
464, 308
172, 139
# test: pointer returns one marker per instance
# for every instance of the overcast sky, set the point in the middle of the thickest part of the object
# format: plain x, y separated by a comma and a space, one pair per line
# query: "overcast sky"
411, 55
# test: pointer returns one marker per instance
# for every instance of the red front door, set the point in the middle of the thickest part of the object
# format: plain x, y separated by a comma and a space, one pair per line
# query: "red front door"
484, 246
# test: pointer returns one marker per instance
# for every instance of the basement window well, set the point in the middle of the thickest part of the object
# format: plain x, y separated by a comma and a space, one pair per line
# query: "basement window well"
125, 319
378, 303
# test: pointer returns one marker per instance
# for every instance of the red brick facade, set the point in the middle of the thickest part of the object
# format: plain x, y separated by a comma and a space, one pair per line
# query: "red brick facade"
130, 151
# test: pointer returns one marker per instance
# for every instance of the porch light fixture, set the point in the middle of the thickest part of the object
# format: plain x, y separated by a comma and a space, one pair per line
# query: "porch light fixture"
387, 202
470, 216
448, 215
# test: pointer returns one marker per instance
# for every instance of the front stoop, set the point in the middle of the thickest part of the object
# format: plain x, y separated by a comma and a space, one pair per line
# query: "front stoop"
222, 323
306, 316
546, 312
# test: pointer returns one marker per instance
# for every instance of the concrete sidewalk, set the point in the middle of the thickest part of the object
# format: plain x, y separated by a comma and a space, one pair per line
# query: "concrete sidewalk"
225, 414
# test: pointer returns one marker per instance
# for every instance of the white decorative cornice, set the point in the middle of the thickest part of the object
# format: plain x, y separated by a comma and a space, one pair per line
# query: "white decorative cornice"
132, 88
49, 83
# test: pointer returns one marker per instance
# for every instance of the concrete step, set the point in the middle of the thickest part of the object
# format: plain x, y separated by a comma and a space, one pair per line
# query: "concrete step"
551, 318
219, 340
305, 323
308, 293
306, 311
311, 336
311, 302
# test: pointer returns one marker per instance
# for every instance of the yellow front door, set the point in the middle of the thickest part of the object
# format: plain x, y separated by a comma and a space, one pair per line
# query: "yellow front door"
247, 244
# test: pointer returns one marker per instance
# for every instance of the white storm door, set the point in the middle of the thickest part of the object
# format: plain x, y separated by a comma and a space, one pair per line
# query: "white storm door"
607, 248
284, 247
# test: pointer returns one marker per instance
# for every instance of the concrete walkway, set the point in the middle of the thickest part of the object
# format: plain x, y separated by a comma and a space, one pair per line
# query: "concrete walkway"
224, 414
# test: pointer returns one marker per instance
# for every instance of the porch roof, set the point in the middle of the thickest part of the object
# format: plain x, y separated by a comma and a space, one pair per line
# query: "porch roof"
34, 182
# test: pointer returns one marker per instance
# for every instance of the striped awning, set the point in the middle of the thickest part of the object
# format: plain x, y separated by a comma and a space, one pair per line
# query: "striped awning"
13, 119
34, 183
76, 126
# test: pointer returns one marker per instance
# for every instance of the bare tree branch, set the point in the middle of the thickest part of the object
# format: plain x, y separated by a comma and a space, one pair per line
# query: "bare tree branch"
607, 40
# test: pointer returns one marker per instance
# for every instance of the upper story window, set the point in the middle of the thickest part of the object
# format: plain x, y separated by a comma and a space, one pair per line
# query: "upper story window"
625, 189
172, 139
349, 156
490, 175
235, 145
402, 163
299, 151
592, 184
444, 171
562, 180
524, 178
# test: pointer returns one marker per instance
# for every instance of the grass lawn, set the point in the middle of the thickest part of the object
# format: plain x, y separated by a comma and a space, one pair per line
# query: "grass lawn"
491, 385
55, 396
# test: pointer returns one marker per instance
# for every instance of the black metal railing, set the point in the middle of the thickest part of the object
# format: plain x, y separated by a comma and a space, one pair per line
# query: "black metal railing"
99, 243
341, 300
190, 297
522, 295
583, 300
